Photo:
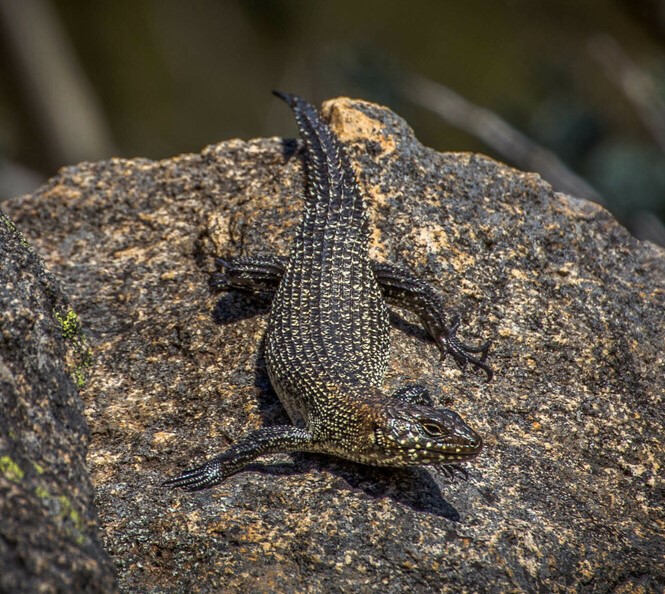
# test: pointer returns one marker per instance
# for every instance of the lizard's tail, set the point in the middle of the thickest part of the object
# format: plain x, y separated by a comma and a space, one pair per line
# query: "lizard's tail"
331, 178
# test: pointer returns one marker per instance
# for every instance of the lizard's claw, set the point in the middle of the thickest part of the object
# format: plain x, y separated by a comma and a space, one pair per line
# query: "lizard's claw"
218, 281
462, 352
449, 470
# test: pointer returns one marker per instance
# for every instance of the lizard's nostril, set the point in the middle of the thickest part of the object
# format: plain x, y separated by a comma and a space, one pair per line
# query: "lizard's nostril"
476, 442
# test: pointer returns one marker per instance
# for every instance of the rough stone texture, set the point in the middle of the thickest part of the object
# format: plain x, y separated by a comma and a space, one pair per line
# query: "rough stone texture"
568, 495
49, 539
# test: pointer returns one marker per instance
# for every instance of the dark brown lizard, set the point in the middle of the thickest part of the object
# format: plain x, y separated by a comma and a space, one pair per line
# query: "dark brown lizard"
327, 344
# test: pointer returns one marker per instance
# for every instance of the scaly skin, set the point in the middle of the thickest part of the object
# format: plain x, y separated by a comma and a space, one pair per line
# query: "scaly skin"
327, 343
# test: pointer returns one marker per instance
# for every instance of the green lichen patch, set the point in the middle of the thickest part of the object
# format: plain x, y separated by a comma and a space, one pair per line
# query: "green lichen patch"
10, 469
7, 223
72, 332
84, 366
70, 324
42, 493
64, 512
71, 519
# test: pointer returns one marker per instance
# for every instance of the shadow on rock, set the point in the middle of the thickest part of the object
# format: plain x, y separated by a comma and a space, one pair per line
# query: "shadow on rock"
412, 487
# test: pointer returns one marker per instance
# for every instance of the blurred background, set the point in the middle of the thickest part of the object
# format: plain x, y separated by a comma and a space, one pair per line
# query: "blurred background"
573, 90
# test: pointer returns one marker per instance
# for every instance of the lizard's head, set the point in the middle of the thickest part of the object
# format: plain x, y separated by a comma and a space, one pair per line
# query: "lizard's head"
413, 434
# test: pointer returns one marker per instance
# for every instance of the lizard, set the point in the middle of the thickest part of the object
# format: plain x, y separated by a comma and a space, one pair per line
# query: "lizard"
327, 342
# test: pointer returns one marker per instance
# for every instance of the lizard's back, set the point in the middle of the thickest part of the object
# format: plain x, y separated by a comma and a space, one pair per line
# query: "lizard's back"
328, 327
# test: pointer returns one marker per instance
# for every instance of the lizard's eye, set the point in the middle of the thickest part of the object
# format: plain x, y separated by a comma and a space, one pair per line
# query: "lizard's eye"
432, 429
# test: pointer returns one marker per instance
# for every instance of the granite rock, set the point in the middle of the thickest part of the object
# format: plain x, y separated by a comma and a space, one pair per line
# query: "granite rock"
568, 494
49, 540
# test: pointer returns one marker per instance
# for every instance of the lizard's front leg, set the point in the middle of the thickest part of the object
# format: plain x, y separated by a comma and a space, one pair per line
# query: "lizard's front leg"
271, 440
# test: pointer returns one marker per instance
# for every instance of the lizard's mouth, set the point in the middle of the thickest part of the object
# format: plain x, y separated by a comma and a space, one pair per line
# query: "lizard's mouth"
453, 450
462, 443
445, 454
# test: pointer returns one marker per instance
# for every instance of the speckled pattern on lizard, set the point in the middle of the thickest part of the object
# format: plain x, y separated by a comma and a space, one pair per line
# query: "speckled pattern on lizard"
328, 341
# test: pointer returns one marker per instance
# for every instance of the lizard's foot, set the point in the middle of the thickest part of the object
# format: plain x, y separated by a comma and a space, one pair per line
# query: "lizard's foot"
449, 470
201, 477
220, 280
461, 352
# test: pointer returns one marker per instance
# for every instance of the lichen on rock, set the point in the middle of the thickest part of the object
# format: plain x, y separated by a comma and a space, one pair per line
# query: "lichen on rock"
48, 534
80, 358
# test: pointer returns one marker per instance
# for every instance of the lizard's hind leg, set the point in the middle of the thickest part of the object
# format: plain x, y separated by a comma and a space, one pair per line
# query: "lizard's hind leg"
402, 288
260, 273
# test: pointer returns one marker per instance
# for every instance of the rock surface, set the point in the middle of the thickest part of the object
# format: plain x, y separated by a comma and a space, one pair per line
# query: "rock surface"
49, 540
569, 492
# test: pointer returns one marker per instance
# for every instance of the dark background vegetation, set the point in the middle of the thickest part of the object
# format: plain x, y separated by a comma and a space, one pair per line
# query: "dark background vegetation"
572, 89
